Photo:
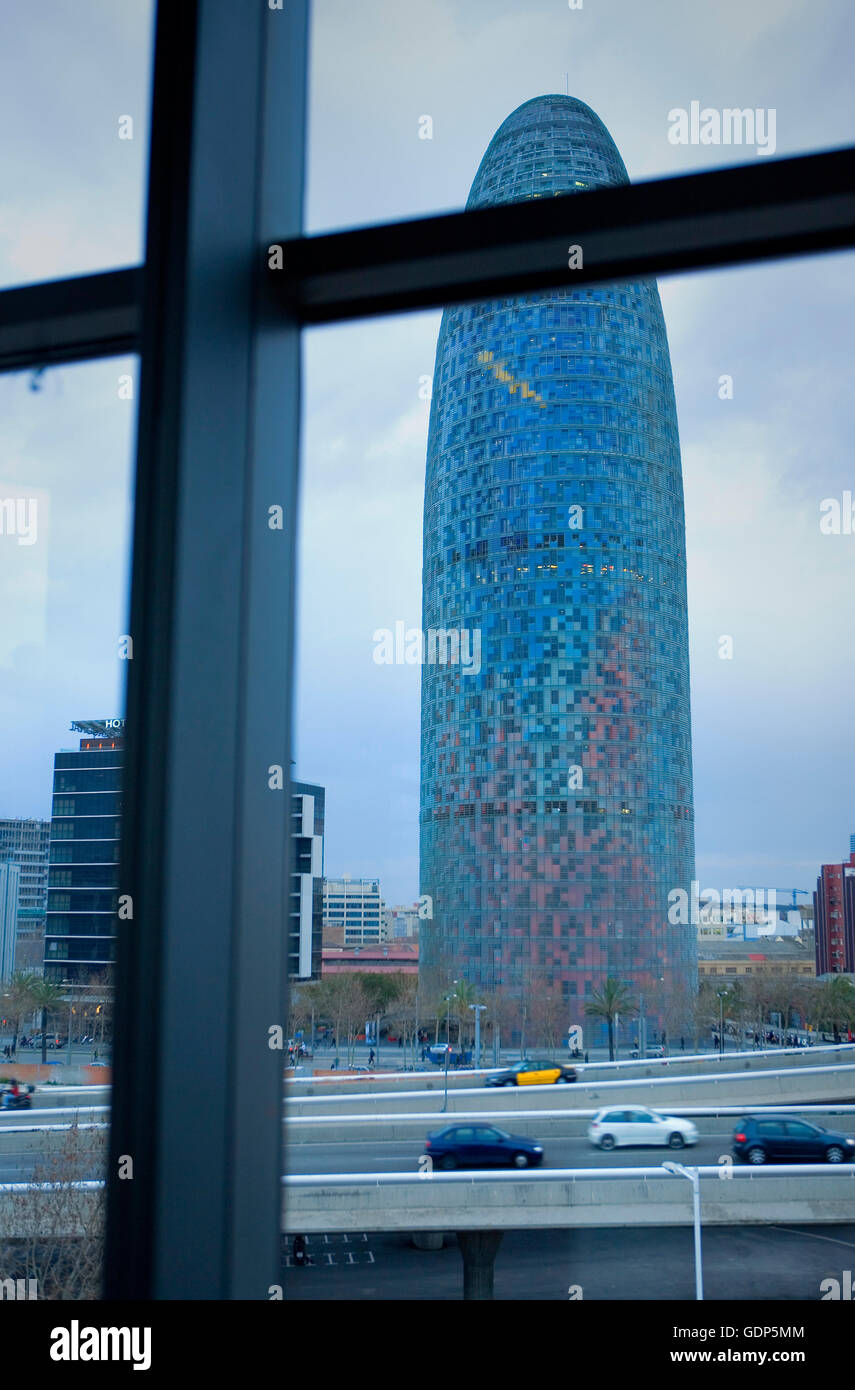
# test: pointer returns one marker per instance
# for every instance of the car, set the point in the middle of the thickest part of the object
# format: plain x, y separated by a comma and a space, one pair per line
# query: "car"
784, 1139
619, 1126
533, 1073
481, 1146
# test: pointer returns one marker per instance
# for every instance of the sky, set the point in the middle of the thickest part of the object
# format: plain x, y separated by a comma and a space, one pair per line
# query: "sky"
773, 775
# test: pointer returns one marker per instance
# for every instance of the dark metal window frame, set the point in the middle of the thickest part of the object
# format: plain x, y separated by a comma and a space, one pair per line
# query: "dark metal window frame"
197, 1102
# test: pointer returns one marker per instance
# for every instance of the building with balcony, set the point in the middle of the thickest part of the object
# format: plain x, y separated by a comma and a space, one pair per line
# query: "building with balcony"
834, 915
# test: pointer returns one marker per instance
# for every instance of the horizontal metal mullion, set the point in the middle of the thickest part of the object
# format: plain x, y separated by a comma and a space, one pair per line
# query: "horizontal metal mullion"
70, 320
753, 212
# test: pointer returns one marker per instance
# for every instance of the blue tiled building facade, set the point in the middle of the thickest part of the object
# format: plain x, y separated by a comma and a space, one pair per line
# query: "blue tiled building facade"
556, 781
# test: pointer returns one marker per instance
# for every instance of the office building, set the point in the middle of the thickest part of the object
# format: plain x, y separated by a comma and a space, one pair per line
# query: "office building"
353, 909
27, 843
10, 878
83, 878
305, 905
399, 923
556, 785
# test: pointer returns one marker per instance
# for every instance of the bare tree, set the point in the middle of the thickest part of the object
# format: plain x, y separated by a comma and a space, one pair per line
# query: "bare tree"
56, 1230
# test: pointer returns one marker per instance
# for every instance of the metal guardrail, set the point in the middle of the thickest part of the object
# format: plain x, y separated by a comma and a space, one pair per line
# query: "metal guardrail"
538, 1175
567, 1059
378, 1097
490, 1175
449, 1117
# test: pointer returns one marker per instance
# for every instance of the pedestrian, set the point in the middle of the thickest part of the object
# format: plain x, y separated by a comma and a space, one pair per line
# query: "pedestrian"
586, 1058
682, 1044
371, 1058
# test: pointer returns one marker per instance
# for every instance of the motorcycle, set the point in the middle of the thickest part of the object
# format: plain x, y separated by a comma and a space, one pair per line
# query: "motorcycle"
22, 1101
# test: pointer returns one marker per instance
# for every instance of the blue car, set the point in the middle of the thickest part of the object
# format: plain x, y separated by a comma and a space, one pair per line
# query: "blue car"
481, 1146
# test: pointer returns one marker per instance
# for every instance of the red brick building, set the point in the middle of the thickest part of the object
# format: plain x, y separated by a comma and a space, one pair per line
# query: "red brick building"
834, 917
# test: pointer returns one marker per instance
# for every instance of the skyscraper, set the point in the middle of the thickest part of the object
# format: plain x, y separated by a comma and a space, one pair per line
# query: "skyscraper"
305, 898
26, 842
83, 880
556, 785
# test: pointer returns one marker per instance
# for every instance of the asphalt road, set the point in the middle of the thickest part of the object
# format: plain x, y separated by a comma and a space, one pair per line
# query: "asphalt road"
369, 1156
397, 1155
748, 1263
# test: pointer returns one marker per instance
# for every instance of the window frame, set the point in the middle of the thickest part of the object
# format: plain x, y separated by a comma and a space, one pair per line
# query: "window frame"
199, 1112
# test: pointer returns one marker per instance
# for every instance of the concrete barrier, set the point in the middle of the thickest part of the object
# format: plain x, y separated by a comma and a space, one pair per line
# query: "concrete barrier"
607, 1197
573, 1198
768, 1087
48, 1140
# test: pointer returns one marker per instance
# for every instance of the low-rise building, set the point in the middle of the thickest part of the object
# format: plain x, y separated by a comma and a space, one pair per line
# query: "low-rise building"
771, 955
402, 957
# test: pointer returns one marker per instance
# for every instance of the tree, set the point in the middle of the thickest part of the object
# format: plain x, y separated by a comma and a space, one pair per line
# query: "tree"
835, 1005
18, 1000
46, 996
548, 1016
55, 1231
607, 1003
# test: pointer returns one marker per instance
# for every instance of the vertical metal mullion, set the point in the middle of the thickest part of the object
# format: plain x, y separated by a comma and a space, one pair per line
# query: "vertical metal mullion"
263, 883
197, 1090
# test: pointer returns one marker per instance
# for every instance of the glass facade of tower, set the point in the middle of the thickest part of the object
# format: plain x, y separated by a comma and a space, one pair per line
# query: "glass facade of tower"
556, 782
83, 879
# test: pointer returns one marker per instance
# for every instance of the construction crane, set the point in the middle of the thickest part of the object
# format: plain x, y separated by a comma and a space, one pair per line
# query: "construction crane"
807, 892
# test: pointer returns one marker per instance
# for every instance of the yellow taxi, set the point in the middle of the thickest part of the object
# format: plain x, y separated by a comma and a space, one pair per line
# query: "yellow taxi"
533, 1073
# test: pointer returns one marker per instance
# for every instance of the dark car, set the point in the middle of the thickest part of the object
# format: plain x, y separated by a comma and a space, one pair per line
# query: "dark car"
481, 1146
533, 1073
780, 1139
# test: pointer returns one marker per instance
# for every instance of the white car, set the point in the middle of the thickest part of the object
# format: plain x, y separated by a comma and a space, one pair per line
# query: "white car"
621, 1126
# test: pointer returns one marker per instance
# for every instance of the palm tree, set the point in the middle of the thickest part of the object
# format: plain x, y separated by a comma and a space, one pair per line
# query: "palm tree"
614, 998
46, 996
464, 995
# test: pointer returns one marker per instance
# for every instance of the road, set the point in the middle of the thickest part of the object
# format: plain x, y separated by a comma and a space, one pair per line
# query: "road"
369, 1156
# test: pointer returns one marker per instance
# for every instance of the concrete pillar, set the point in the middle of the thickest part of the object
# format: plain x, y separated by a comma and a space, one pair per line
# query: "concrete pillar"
479, 1250
428, 1240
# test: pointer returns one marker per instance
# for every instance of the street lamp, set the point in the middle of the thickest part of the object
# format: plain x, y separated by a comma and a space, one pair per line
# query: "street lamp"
445, 1096
448, 998
722, 995
678, 1171
477, 1011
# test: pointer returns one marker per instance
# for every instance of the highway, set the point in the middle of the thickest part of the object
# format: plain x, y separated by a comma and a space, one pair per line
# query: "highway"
395, 1156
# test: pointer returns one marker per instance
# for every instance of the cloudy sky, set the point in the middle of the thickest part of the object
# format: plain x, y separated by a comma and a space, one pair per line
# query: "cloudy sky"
773, 775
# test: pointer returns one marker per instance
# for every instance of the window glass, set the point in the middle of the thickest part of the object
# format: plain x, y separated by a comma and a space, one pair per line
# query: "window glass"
75, 92
401, 110
66, 448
